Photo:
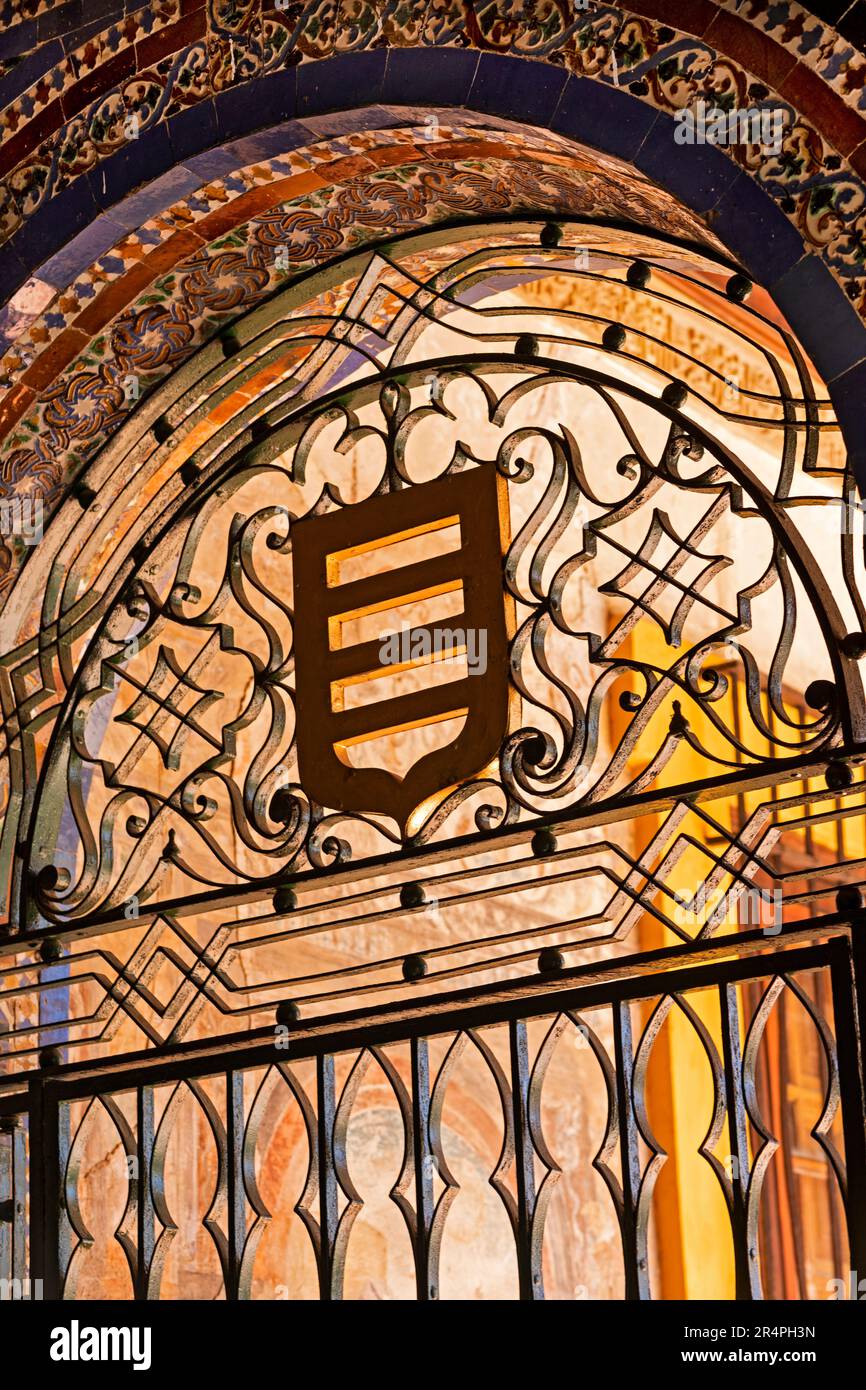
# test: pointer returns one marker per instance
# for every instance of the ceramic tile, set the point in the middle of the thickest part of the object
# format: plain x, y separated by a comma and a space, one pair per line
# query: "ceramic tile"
81, 251
762, 237
609, 120
828, 326
699, 175
412, 76
343, 82
193, 130
513, 88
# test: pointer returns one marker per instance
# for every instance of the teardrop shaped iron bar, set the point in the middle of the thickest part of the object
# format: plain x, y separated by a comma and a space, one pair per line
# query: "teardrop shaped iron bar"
265, 1093
747, 1272
434, 1134
528, 1249
404, 1183
354, 1202
497, 1179
306, 1205
848, 987
633, 1226
609, 1141
767, 1141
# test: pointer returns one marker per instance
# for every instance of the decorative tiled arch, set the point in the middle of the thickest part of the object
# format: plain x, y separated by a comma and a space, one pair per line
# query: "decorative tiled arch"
191, 74
549, 65
574, 82
214, 260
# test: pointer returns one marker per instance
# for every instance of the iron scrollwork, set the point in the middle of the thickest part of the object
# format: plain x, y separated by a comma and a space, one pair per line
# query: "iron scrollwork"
182, 731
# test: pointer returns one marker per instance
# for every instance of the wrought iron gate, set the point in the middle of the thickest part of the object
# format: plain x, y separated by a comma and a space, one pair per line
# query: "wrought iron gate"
581, 1003
204, 839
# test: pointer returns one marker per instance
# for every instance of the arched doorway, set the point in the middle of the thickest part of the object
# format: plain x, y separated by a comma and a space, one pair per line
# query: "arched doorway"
633, 753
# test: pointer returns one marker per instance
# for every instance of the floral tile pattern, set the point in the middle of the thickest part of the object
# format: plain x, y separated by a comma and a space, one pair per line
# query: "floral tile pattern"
76, 408
143, 276
160, 60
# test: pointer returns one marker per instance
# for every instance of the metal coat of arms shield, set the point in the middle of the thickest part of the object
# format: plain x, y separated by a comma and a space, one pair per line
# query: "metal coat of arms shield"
381, 563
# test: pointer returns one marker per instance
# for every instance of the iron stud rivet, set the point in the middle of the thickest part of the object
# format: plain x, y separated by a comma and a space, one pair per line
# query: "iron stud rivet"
414, 968
47, 878
412, 895
84, 495
285, 900
526, 345
543, 842
838, 776
738, 288
675, 394
550, 960
853, 645
820, 695
849, 898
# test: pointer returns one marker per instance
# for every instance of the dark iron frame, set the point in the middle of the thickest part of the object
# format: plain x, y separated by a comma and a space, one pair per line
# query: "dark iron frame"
835, 943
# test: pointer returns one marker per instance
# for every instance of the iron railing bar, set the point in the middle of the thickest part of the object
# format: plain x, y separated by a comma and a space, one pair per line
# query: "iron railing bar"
235, 1199
330, 1277
639, 977
849, 1051
13, 1186
528, 1256
19, 1188
50, 1232
426, 1254
632, 1226
757, 776
145, 1218
38, 1181
748, 1283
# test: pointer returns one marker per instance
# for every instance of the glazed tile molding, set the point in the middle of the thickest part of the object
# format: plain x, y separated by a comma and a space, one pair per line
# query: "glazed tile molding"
180, 73
100, 97
150, 301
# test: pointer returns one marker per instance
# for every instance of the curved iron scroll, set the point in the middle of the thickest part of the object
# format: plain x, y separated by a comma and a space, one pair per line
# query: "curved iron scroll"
205, 781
